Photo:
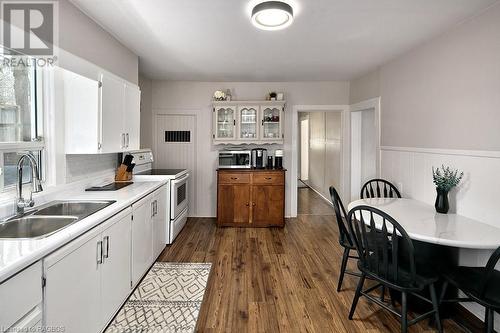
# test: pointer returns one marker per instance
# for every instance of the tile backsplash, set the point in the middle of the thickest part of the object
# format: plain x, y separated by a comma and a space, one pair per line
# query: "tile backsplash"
79, 167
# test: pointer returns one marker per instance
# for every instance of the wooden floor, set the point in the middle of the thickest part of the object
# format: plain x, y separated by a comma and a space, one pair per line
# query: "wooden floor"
279, 280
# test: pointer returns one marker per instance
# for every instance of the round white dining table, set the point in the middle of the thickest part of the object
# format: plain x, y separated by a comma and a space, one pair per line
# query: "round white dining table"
422, 223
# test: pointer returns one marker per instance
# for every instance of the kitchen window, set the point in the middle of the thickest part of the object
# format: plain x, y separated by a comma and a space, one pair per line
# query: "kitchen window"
20, 119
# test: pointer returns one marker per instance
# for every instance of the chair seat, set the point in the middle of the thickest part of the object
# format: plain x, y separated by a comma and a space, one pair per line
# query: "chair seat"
468, 280
404, 281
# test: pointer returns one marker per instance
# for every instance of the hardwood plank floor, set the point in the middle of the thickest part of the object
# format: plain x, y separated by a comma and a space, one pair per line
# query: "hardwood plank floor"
279, 280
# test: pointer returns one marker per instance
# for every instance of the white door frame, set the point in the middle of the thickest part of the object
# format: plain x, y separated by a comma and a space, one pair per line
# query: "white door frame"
345, 176
373, 103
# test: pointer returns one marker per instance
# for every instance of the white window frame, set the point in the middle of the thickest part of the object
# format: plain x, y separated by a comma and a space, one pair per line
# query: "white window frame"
38, 143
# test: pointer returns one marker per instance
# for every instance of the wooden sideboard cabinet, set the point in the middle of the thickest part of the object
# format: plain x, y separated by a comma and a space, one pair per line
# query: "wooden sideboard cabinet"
250, 197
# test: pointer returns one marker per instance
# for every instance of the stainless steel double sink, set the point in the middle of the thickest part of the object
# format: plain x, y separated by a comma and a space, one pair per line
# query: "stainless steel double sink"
49, 218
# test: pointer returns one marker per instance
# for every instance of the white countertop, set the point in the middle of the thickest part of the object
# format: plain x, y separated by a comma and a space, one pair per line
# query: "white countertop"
17, 254
422, 223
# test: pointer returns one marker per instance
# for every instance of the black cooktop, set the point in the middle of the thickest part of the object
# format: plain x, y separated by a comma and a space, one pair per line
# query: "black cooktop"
110, 187
164, 172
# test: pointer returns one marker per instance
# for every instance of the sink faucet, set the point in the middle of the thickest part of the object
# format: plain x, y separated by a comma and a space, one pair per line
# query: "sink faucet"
22, 203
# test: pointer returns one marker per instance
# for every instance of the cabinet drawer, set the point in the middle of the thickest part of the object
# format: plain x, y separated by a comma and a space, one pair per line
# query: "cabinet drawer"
273, 178
234, 178
22, 293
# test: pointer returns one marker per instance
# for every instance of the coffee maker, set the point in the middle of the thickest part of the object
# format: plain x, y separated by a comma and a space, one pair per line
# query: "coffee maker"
259, 158
278, 159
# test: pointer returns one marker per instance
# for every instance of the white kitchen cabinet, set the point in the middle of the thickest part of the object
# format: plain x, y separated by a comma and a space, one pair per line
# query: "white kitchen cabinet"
132, 119
224, 123
88, 279
73, 285
160, 221
248, 122
21, 297
142, 238
101, 116
115, 274
113, 105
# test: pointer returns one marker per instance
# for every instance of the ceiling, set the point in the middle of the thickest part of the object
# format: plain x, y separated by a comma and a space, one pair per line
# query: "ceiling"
214, 40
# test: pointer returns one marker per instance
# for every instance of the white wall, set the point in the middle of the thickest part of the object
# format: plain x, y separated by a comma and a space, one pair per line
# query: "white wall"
174, 97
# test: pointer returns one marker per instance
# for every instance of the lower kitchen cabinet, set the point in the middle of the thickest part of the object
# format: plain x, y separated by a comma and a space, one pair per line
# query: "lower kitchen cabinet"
159, 221
142, 237
87, 280
251, 197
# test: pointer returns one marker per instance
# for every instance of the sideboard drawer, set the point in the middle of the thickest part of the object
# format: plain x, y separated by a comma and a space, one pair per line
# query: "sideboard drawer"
234, 178
269, 178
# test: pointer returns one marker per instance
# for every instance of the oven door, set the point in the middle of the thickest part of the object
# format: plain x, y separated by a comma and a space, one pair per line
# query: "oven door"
178, 195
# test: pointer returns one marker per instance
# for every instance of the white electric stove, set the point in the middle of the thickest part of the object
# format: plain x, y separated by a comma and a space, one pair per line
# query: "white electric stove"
177, 197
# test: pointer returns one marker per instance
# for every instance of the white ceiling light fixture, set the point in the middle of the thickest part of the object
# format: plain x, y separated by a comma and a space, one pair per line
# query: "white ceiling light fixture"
272, 15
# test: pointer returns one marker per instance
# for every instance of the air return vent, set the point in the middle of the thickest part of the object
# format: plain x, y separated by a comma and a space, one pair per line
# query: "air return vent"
177, 136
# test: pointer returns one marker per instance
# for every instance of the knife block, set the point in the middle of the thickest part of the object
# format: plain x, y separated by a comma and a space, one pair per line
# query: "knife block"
122, 175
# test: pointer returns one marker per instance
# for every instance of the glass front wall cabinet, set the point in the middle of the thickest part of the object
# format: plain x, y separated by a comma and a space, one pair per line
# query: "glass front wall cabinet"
224, 123
248, 120
271, 123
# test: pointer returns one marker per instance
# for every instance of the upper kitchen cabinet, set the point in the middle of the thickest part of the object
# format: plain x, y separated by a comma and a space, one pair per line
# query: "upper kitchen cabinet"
248, 122
101, 116
224, 123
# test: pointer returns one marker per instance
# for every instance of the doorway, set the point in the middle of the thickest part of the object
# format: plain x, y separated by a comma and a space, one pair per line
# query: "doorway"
320, 159
365, 144
304, 150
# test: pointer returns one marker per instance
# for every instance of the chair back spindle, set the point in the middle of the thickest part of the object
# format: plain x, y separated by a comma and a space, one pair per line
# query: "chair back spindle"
341, 216
377, 237
379, 188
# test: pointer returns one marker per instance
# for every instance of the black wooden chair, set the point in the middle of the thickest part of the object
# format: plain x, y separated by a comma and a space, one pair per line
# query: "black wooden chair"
344, 237
480, 285
382, 243
379, 188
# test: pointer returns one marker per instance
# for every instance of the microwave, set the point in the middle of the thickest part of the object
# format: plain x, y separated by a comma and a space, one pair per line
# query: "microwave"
234, 159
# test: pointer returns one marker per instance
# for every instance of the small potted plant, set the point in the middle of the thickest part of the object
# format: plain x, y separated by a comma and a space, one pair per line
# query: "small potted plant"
445, 179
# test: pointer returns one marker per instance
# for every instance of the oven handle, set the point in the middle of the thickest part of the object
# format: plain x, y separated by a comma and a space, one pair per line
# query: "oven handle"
180, 180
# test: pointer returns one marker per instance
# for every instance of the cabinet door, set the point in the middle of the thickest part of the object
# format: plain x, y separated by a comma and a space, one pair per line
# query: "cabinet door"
268, 205
81, 106
271, 123
225, 123
142, 238
233, 204
115, 273
248, 117
112, 106
160, 221
72, 293
132, 117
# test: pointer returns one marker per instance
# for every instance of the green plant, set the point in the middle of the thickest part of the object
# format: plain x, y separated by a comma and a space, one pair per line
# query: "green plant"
445, 178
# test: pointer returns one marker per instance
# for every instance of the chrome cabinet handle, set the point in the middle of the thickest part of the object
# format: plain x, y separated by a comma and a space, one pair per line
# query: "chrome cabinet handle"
106, 247
128, 139
123, 140
156, 207
99, 252
152, 209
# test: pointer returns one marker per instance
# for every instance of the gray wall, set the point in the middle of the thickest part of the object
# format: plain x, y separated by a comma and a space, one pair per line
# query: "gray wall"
443, 94
79, 35
145, 85
365, 87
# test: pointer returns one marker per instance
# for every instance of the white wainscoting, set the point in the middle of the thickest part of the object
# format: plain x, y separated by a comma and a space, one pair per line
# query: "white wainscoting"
477, 197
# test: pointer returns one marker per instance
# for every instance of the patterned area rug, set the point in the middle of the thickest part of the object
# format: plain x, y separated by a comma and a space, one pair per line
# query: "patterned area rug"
168, 299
